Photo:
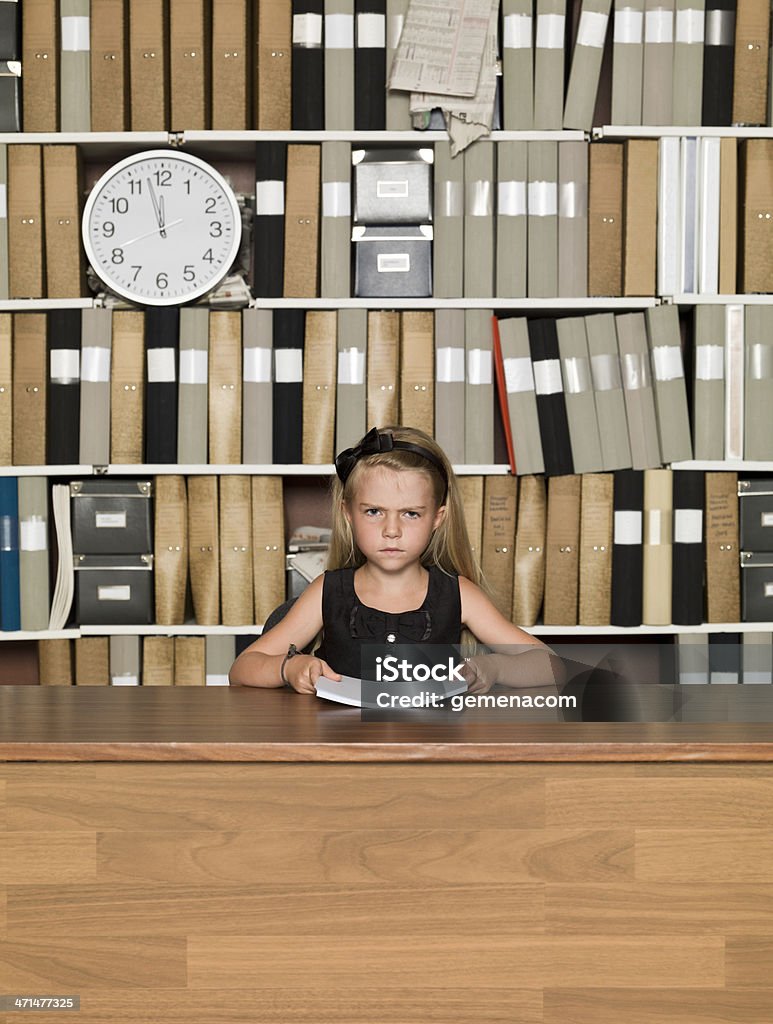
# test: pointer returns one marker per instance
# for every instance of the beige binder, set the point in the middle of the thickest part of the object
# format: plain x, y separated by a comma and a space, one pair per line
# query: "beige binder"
26, 277
109, 67
6, 386
190, 661
30, 379
301, 253
148, 45
417, 371
641, 209
268, 542
274, 71
225, 387
529, 579
498, 560
383, 358
40, 62
750, 70
562, 544
230, 101
171, 549
55, 663
658, 547
235, 550
62, 190
757, 253
204, 549
319, 387
127, 388
471, 493
92, 661
596, 521
605, 219
723, 569
158, 661
189, 64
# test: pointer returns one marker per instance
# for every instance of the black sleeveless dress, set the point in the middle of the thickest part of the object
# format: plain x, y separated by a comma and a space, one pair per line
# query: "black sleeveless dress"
348, 624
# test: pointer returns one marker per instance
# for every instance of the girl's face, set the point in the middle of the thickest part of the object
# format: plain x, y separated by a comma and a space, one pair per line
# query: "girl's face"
393, 515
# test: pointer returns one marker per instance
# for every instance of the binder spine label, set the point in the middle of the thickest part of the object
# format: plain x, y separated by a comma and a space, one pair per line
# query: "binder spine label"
543, 198
371, 31
576, 375
33, 534
689, 26
193, 366
65, 365
307, 30
511, 199
269, 198
351, 366
95, 364
688, 525
479, 366
339, 31
517, 32
547, 377
605, 369
627, 528
449, 362
667, 362
629, 26
336, 199
659, 26
161, 365
593, 29
550, 31
257, 365
518, 374
288, 365
75, 33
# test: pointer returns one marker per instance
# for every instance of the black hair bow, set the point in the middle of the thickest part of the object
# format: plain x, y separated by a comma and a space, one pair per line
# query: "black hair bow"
371, 444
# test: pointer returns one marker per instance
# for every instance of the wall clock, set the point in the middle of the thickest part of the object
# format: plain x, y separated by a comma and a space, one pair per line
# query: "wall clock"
161, 228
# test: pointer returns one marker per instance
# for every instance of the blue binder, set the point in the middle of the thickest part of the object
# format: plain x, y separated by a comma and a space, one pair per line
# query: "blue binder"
10, 607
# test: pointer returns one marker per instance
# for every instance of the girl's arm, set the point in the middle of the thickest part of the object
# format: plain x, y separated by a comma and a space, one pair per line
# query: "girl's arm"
537, 667
260, 663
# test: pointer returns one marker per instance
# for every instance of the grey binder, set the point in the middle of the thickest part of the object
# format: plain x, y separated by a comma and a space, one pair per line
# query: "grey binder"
448, 269
637, 385
511, 258
257, 387
479, 184
627, 61
351, 396
96, 352
479, 388
521, 395
549, 64
709, 383
658, 63
688, 61
193, 401
586, 64
669, 383
220, 655
758, 393
757, 658
449, 383
398, 103
517, 64
33, 552
125, 661
542, 201
75, 67
336, 229
608, 391
339, 65
578, 393
572, 219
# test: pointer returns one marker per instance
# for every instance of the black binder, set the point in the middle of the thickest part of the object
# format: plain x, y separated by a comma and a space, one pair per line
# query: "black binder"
688, 550
719, 62
289, 332
308, 74
268, 236
63, 406
627, 549
9, 30
551, 404
162, 333
370, 66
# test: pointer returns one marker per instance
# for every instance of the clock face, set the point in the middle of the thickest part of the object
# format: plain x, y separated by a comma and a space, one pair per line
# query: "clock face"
161, 228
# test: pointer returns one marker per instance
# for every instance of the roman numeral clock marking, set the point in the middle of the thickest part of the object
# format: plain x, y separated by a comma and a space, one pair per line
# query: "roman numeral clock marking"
161, 228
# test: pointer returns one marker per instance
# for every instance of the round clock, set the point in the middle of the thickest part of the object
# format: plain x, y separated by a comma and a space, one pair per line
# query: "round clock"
161, 228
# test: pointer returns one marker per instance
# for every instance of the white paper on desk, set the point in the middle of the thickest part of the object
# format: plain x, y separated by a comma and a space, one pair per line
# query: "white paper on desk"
349, 690
441, 47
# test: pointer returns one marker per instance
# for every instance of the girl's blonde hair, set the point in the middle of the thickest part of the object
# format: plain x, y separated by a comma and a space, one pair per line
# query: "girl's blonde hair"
449, 548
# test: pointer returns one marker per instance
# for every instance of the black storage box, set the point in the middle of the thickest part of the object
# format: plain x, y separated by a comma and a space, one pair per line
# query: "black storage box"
111, 517
757, 586
114, 590
755, 498
393, 262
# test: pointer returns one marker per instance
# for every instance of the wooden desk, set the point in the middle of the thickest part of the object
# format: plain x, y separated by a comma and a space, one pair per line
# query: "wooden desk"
206, 855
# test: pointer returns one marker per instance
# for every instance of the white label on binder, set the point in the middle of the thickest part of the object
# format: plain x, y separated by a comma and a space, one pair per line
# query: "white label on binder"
659, 26
351, 366
635, 371
125, 679
339, 31
593, 29
654, 531
257, 365
3, 202
769, 590
75, 33
161, 365
110, 520
33, 534
627, 527
572, 199
269, 198
479, 361
288, 365
213, 679
689, 25
336, 199
114, 593
307, 30
478, 198
395, 29
393, 262
511, 199
543, 198
547, 377
576, 375
518, 32
550, 31
65, 364
720, 28
371, 31
95, 364
667, 362
688, 525
518, 374
449, 199
193, 365
628, 26
392, 189
605, 370
710, 362
449, 364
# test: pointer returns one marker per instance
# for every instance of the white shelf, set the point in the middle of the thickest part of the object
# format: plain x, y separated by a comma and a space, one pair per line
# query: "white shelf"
749, 299
46, 470
39, 305
633, 631
411, 136
92, 138
527, 305
728, 465
40, 634
636, 131
186, 630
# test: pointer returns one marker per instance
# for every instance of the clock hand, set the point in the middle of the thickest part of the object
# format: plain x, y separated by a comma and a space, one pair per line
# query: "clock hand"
157, 208
162, 221
155, 231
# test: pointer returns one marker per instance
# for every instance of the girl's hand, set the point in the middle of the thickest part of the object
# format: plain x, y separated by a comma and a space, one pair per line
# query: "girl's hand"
303, 671
478, 675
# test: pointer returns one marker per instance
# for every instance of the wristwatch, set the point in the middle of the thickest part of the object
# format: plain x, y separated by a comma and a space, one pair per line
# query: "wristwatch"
291, 652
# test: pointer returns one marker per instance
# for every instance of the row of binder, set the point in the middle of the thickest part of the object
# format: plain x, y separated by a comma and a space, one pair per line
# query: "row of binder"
212, 537
723, 658
324, 64
654, 547
139, 661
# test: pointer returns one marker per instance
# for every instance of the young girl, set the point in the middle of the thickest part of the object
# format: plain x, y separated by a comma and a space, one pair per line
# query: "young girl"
401, 570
